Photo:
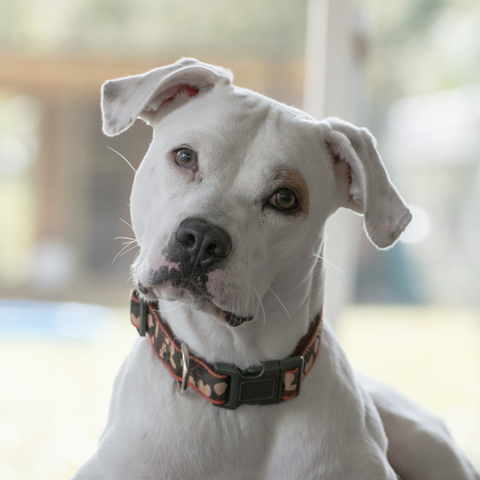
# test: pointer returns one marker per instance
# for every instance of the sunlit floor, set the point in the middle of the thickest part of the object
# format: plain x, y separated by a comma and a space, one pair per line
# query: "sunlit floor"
54, 395
430, 354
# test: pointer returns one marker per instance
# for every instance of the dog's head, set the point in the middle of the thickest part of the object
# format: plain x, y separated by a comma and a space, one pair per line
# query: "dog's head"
230, 201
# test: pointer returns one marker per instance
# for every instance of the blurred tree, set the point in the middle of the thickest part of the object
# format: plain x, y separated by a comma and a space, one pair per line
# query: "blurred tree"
251, 28
420, 47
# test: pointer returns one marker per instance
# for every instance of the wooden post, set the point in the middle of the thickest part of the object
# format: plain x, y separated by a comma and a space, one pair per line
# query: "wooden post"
328, 91
50, 171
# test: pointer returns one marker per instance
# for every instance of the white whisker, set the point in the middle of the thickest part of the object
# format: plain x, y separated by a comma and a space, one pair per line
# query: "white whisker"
130, 242
261, 303
122, 250
130, 249
118, 153
276, 296
126, 238
163, 310
330, 263
125, 250
125, 222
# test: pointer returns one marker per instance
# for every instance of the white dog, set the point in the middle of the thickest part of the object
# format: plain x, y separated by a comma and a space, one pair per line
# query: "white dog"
229, 207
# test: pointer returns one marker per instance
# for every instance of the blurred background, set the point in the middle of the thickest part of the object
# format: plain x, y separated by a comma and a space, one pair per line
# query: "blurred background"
409, 71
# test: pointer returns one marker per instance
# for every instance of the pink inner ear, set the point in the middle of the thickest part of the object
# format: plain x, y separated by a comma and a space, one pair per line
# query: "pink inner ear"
190, 90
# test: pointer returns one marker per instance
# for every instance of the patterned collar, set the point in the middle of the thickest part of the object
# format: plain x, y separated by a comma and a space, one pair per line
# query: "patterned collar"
224, 384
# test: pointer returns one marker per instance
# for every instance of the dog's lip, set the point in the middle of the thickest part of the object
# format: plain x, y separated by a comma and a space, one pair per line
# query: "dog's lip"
233, 319
206, 304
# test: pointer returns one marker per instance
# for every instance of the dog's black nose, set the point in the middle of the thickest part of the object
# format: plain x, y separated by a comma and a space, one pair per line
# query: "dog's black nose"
203, 243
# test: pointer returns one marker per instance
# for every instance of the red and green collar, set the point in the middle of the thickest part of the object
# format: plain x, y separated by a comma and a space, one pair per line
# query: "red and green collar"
224, 384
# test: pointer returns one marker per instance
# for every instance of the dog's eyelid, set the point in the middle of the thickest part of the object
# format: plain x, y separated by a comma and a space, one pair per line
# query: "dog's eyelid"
183, 145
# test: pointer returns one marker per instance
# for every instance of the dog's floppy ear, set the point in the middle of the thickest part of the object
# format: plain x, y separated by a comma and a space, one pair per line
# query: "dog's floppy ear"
363, 182
165, 88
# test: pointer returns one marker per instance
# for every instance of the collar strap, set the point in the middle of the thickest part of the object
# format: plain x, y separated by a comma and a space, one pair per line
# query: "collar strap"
224, 384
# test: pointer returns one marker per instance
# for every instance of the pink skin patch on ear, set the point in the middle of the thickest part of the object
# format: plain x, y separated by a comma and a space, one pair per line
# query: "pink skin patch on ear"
190, 90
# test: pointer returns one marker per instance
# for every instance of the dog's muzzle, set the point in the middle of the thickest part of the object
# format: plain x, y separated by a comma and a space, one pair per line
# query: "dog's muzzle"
196, 248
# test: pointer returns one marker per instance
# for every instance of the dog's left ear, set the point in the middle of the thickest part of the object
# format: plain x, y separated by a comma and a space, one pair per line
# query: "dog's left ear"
158, 91
363, 183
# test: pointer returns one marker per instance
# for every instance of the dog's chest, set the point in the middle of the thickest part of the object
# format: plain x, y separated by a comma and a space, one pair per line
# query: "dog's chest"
155, 433
183, 436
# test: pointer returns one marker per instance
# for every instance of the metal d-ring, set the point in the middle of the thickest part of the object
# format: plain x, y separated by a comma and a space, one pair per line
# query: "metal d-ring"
186, 368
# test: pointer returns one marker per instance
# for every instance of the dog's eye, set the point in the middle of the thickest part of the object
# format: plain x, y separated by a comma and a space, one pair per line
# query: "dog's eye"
284, 200
185, 158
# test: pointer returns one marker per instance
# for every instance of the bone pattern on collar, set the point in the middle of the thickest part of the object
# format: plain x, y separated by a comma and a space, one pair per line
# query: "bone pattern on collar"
203, 377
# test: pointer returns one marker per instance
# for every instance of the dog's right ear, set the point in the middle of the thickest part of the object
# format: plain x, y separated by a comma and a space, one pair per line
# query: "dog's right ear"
160, 90
363, 183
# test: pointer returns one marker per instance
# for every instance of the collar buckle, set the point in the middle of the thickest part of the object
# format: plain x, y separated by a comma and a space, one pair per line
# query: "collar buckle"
261, 384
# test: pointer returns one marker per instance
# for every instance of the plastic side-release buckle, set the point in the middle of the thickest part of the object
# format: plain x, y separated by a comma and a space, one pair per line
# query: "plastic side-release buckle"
258, 385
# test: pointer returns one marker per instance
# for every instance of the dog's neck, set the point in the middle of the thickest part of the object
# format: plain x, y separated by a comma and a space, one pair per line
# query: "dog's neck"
285, 318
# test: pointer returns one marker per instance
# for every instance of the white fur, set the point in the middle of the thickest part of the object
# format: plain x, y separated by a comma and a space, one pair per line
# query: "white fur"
332, 430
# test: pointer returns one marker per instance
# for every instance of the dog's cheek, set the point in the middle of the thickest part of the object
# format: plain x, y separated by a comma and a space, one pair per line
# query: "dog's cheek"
230, 293
224, 290
216, 284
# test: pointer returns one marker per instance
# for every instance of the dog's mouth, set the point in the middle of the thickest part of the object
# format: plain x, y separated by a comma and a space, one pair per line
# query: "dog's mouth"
171, 285
233, 319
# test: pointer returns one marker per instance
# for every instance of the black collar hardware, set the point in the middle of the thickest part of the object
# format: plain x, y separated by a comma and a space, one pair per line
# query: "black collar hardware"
258, 385
224, 384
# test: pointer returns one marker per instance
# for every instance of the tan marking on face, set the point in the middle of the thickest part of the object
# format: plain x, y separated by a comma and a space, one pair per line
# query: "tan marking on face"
293, 179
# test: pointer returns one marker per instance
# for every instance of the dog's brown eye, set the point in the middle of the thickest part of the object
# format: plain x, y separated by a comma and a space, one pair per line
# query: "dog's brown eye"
284, 200
185, 158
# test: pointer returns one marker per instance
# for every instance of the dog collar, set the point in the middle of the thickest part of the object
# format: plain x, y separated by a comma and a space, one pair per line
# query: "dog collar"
224, 384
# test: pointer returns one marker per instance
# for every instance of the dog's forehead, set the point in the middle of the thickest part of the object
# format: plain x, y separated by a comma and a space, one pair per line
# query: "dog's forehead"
239, 132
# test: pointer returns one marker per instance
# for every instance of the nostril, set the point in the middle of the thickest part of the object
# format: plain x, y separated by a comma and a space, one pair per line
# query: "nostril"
189, 241
212, 249
218, 249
